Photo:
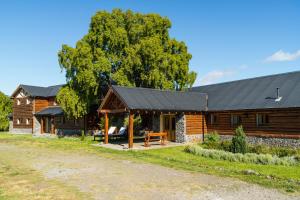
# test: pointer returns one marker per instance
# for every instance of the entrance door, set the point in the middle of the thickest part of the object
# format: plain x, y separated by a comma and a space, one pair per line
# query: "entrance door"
169, 125
46, 125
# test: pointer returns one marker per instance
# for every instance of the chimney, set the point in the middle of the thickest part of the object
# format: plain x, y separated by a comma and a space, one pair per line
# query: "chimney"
278, 97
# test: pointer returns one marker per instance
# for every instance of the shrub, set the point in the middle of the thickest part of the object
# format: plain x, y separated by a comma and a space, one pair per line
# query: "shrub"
82, 136
278, 151
212, 137
264, 159
239, 144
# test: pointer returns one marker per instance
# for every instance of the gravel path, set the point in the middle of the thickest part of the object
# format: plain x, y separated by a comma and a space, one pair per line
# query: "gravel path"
103, 178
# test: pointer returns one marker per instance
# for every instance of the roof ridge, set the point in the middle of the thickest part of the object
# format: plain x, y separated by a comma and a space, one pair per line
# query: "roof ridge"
245, 79
156, 89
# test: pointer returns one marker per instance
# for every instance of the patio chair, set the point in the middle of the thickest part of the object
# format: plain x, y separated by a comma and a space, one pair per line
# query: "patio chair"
122, 133
101, 134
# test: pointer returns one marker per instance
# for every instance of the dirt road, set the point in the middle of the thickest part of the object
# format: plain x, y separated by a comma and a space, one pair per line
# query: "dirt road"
103, 178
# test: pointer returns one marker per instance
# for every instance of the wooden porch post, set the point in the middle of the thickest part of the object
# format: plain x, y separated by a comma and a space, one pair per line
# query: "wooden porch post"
52, 125
106, 128
130, 130
42, 125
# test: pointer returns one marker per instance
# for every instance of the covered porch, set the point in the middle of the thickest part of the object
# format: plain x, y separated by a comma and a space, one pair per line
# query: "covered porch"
165, 110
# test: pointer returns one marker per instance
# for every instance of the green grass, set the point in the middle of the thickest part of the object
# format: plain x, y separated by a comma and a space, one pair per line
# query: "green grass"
284, 178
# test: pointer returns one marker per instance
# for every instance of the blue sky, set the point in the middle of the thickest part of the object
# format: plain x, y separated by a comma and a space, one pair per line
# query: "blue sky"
228, 39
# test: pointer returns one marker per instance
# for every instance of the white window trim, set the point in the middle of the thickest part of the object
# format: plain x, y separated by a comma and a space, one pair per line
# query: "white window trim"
18, 102
28, 101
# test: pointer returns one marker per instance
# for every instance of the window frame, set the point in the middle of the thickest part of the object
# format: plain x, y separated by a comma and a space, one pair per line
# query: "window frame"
264, 121
238, 122
213, 119
18, 102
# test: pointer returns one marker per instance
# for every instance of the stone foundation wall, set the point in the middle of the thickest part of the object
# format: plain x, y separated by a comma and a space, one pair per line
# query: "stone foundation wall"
11, 126
21, 131
36, 126
277, 142
180, 130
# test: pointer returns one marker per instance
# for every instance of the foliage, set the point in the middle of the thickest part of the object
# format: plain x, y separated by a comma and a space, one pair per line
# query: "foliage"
82, 136
137, 122
239, 143
264, 159
212, 137
5, 110
278, 151
132, 49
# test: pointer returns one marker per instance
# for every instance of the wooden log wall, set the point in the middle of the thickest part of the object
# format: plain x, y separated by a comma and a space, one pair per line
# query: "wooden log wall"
195, 124
22, 112
283, 123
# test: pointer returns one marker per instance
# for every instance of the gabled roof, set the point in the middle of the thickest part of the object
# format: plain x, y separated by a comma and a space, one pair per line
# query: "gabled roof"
159, 100
254, 93
50, 111
36, 91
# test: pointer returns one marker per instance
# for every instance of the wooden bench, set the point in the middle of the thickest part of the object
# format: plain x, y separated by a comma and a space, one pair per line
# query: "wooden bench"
153, 137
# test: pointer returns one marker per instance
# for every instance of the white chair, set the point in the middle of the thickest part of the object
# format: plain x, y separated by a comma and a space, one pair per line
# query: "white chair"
112, 130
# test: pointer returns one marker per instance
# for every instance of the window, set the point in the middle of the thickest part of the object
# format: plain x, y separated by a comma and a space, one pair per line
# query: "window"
19, 121
27, 121
213, 119
18, 102
262, 119
28, 101
236, 120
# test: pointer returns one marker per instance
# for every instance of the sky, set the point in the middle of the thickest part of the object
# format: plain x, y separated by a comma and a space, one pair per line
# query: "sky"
228, 40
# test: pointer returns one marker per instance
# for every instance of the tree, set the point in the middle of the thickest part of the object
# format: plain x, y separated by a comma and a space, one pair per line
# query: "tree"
5, 110
130, 49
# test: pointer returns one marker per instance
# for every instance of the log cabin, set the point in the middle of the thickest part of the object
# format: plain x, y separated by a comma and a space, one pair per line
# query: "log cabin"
267, 107
36, 111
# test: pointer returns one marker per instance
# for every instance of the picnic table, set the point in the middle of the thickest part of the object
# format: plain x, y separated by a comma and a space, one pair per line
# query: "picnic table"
152, 136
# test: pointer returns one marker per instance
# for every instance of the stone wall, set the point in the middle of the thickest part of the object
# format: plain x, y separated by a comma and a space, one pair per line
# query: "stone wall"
21, 131
36, 126
277, 142
180, 132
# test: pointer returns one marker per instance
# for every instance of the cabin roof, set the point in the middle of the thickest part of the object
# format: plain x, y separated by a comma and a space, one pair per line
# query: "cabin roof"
254, 93
159, 100
36, 91
50, 111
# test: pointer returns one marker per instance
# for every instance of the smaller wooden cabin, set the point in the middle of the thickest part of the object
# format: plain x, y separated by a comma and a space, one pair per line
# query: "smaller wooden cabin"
36, 111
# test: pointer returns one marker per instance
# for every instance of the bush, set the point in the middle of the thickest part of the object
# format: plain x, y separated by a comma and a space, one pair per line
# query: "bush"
212, 137
82, 136
264, 159
239, 144
278, 151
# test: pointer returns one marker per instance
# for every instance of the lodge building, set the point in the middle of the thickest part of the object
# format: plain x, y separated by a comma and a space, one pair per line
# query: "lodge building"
267, 107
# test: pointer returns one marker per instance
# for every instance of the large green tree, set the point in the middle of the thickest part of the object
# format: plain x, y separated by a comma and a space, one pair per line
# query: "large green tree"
5, 110
128, 48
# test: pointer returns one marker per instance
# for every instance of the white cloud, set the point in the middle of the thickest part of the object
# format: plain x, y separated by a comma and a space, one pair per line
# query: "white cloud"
216, 75
281, 56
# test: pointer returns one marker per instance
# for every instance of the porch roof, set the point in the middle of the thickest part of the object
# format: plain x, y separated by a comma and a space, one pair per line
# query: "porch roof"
156, 100
50, 111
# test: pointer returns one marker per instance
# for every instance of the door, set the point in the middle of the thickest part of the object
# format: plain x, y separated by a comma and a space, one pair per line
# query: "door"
169, 125
46, 125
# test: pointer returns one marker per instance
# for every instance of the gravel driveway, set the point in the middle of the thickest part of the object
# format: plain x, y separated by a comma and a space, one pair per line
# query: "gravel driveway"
104, 178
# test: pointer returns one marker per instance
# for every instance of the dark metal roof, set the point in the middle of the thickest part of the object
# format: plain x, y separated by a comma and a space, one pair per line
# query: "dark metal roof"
254, 93
50, 111
161, 100
36, 91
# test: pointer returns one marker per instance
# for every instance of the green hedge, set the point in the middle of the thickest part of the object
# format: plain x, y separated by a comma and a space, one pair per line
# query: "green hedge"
264, 159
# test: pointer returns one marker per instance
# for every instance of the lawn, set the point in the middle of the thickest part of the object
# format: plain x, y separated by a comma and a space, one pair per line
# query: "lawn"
284, 178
